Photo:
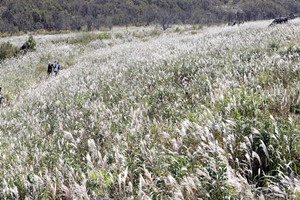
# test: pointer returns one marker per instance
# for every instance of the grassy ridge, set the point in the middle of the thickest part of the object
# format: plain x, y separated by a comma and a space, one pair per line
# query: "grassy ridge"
210, 113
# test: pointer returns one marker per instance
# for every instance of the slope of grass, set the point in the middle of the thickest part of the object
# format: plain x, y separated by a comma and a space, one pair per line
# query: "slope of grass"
211, 115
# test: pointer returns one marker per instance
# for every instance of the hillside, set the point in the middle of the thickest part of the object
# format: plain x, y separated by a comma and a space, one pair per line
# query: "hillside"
140, 113
56, 15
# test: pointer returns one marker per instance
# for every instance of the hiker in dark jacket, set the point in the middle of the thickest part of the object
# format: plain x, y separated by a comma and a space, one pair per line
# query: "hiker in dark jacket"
50, 65
1, 97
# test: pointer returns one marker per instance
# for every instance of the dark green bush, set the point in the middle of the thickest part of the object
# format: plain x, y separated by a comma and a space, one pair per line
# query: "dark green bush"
7, 50
30, 43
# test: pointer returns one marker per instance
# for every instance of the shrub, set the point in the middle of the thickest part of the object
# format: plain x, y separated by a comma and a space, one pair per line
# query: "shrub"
89, 37
103, 36
7, 50
30, 43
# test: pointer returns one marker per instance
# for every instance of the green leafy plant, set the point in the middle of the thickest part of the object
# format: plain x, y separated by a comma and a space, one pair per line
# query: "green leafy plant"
7, 50
30, 43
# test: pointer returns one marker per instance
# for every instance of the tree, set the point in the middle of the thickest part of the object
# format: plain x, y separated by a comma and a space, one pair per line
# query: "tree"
165, 19
31, 15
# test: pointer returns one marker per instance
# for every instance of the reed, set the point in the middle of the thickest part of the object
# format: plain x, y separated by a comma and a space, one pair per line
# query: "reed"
211, 114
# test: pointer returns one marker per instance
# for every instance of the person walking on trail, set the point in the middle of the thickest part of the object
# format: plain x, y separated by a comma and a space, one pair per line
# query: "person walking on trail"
56, 68
50, 65
1, 97
54, 65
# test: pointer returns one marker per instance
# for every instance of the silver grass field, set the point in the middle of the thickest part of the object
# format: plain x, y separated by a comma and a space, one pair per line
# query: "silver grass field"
188, 113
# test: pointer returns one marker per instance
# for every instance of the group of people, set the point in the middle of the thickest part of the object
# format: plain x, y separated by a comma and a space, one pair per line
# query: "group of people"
53, 67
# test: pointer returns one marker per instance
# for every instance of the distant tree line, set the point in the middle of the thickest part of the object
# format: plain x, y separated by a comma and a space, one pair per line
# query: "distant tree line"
54, 15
